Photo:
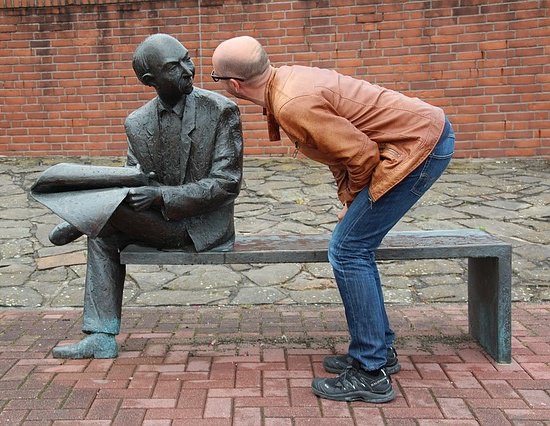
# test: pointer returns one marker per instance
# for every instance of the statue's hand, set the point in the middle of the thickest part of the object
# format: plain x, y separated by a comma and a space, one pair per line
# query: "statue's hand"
143, 197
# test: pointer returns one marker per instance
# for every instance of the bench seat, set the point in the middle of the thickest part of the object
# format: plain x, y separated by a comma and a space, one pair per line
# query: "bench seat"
489, 268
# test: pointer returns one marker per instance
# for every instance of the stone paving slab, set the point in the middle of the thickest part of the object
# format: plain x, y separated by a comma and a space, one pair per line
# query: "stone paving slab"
253, 366
509, 198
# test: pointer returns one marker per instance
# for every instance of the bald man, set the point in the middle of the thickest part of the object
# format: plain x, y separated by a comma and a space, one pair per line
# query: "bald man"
385, 150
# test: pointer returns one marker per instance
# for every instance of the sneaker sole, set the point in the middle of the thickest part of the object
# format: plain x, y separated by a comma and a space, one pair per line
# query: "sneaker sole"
389, 370
393, 369
364, 396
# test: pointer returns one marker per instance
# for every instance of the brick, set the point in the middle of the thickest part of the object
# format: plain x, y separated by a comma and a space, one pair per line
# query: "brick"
499, 389
261, 402
275, 387
80, 398
43, 415
277, 421
149, 403
535, 398
418, 397
33, 404
371, 416
192, 398
12, 416
129, 417
412, 413
173, 413
247, 416
195, 364
464, 379
528, 415
335, 410
430, 371
223, 371
218, 407
103, 409
233, 393
502, 403
450, 422
167, 390
302, 397
454, 408
325, 421
293, 412
120, 372
247, 378
490, 416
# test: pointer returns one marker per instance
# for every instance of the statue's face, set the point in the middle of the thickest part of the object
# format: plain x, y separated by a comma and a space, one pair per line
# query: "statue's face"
172, 71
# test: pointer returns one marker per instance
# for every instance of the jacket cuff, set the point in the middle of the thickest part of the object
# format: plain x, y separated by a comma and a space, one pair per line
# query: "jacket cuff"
345, 197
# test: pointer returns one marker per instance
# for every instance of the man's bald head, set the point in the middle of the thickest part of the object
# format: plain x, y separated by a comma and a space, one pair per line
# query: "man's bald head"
242, 57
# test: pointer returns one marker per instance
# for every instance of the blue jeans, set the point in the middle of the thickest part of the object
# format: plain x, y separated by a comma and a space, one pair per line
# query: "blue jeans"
352, 254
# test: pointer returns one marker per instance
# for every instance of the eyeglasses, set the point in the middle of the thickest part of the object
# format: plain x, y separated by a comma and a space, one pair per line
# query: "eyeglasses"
217, 78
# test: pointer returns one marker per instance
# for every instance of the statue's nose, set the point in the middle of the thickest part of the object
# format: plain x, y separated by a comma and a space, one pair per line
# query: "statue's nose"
188, 68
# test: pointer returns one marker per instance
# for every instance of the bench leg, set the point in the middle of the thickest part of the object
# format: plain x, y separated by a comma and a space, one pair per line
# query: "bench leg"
490, 304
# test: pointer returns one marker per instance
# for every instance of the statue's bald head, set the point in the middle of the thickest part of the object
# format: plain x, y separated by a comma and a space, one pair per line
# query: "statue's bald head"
153, 47
242, 57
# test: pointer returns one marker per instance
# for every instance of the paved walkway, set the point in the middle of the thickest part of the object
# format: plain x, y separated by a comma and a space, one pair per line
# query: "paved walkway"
247, 355
510, 199
239, 366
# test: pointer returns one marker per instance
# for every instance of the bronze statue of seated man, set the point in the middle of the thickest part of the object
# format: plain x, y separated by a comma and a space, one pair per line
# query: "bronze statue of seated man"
186, 148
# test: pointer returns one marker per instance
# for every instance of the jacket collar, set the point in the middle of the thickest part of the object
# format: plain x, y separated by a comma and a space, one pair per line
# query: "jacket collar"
272, 125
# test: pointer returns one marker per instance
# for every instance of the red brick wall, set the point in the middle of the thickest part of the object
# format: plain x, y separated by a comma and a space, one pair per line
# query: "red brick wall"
67, 82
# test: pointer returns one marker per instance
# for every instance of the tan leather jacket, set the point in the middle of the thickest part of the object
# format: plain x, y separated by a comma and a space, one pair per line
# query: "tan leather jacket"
366, 134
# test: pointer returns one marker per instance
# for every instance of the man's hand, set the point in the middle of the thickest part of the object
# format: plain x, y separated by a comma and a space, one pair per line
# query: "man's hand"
143, 197
342, 212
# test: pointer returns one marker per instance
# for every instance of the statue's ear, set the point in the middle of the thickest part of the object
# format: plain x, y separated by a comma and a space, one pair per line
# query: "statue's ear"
148, 79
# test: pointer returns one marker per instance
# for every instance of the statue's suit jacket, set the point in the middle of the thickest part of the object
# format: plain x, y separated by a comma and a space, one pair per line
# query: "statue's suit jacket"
210, 163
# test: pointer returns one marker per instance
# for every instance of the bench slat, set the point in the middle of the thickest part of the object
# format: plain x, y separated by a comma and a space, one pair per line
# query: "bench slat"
402, 245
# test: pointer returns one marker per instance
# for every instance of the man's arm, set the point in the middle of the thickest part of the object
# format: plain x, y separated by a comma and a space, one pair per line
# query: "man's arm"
350, 154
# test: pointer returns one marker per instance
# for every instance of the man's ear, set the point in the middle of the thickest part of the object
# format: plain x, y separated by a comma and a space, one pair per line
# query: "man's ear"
148, 80
235, 84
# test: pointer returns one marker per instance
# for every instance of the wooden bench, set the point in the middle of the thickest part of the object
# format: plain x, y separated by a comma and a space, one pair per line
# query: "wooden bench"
489, 268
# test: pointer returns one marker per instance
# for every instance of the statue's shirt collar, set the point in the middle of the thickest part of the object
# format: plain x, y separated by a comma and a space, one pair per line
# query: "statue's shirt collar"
177, 109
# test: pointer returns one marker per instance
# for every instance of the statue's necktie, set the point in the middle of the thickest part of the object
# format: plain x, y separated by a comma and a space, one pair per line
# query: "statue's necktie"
170, 148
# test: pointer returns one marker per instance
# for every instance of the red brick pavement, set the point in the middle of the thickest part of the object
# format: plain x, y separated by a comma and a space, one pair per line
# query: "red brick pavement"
253, 366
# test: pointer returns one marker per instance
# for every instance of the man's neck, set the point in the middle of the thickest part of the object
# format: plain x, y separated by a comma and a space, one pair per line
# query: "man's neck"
256, 93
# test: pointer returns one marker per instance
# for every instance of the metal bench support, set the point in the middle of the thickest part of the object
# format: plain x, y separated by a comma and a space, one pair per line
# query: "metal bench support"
489, 304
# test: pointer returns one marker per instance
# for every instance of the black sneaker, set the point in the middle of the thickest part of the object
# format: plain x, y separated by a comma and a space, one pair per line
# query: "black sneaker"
337, 364
355, 384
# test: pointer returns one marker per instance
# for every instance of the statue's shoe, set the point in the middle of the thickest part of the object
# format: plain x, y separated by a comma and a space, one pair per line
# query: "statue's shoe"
96, 345
64, 233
